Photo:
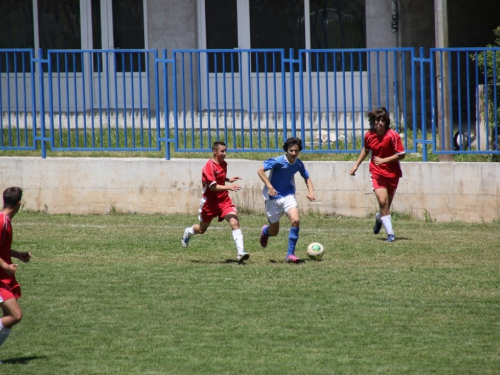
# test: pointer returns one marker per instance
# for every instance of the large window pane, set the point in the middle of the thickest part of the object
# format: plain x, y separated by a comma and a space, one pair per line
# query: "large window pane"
16, 31
128, 33
16, 24
338, 24
59, 24
222, 33
276, 24
59, 28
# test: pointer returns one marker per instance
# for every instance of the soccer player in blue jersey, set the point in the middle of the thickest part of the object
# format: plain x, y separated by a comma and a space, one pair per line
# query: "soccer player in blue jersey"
279, 194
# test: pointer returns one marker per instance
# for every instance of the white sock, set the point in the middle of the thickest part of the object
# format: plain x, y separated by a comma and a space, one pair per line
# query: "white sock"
190, 232
4, 333
387, 222
238, 238
377, 217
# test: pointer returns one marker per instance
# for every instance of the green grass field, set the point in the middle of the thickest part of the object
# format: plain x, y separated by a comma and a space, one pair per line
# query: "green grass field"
116, 294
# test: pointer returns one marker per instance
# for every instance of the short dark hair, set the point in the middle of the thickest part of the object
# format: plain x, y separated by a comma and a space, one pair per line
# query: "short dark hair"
379, 114
292, 141
216, 144
12, 196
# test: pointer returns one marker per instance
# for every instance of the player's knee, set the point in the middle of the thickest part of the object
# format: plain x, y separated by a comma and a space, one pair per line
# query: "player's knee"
295, 222
201, 230
234, 224
17, 316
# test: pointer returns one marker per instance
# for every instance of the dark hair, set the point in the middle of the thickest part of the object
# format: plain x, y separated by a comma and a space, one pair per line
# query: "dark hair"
379, 114
11, 196
292, 141
216, 145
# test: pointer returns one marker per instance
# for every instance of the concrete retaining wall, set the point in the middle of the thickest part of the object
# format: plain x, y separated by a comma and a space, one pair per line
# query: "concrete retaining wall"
445, 192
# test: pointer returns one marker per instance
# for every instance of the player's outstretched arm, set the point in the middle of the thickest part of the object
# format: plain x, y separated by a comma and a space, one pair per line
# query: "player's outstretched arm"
231, 180
24, 256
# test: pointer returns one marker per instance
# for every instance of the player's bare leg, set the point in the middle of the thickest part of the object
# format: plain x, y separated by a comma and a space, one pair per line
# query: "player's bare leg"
12, 315
273, 229
234, 223
191, 231
385, 201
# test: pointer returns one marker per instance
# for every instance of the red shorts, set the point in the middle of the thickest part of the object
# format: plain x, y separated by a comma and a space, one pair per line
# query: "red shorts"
209, 210
9, 291
380, 182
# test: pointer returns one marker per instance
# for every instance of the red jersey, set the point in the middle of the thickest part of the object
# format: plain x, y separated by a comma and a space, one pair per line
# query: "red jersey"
7, 280
214, 173
384, 146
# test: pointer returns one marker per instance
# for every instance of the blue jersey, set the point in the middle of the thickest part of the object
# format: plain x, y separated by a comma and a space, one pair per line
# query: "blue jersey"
282, 176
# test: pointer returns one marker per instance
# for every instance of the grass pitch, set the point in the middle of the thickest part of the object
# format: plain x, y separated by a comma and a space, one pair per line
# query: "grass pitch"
117, 294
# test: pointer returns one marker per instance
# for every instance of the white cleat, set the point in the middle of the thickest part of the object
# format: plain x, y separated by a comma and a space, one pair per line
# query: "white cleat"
242, 256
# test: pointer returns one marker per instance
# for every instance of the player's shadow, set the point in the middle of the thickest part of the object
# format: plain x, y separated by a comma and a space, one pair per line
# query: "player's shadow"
275, 261
227, 261
397, 239
238, 262
21, 360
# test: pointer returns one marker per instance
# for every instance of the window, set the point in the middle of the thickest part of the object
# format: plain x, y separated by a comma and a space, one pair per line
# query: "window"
16, 31
222, 21
337, 24
59, 24
332, 24
128, 33
62, 24
276, 24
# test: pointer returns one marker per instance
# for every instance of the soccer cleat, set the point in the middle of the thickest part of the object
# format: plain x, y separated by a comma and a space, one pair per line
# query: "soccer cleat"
263, 237
377, 226
242, 256
292, 259
391, 238
185, 238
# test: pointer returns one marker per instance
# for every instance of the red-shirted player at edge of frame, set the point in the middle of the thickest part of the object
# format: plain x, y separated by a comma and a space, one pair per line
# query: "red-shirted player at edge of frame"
386, 152
216, 201
10, 289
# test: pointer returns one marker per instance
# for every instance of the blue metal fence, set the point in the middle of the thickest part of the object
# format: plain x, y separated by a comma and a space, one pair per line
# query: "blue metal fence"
465, 100
444, 100
17, 100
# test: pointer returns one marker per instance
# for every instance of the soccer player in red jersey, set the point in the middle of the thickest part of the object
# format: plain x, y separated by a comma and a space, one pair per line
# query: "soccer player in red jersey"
10, 289
216, 201
386, 152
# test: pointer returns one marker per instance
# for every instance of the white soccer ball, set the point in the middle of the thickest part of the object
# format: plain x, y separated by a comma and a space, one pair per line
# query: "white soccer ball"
315, 250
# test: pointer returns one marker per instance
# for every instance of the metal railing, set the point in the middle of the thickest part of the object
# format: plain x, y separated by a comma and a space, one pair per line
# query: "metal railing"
142, 100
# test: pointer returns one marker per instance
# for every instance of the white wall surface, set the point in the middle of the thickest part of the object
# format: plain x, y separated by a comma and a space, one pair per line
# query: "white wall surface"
468, 192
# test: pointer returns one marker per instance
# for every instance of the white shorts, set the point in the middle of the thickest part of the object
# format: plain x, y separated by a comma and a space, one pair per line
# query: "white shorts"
276, 208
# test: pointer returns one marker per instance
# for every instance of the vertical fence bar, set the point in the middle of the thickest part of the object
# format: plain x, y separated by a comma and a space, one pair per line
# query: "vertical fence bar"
42, 103
422, 104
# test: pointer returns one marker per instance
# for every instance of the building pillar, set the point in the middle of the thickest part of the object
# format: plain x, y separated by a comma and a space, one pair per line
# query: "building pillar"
443, 114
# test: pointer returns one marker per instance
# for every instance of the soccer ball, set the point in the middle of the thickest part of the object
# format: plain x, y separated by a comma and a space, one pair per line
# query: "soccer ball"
315, 250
